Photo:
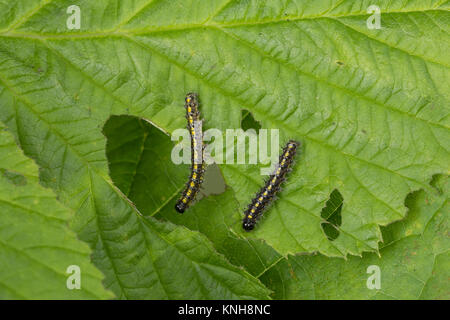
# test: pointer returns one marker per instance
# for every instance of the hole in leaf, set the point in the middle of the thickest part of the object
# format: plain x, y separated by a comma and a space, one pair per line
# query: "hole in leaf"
13, 177
248, 122
436, 182
332, 214
140, 165
213, 183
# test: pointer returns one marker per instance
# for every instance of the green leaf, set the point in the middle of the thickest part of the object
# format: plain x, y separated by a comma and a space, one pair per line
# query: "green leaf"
332, 214
188, 267
137, 153
414, 261
369, 106
216, 216
140, 165
36, 245
158, 260
139, 160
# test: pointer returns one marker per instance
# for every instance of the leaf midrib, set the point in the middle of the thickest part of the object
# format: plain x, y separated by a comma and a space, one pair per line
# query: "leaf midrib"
130, 37
125, 35
206, 22
136, 32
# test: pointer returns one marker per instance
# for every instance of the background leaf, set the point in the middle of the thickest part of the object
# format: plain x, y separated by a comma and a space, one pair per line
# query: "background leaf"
36, 245
413, 262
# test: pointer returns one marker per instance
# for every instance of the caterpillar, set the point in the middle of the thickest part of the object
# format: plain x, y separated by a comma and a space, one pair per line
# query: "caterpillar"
194, 126
265, 196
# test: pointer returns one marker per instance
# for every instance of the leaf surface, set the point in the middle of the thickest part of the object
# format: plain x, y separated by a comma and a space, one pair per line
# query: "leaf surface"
413, 262
37, 248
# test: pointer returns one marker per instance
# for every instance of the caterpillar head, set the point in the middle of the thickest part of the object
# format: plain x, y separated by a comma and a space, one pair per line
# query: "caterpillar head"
180, 207
191, 99
248, 224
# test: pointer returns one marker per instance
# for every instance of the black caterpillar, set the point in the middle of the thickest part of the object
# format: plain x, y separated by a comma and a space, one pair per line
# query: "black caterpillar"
265, 196
197, 159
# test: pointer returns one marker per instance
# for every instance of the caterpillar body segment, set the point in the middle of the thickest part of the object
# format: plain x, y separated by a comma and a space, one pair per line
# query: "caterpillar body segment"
267, 194
194, 126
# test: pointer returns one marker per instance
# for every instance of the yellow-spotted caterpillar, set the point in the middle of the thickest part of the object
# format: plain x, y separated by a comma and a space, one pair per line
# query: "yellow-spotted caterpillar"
265, 196
197, 160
